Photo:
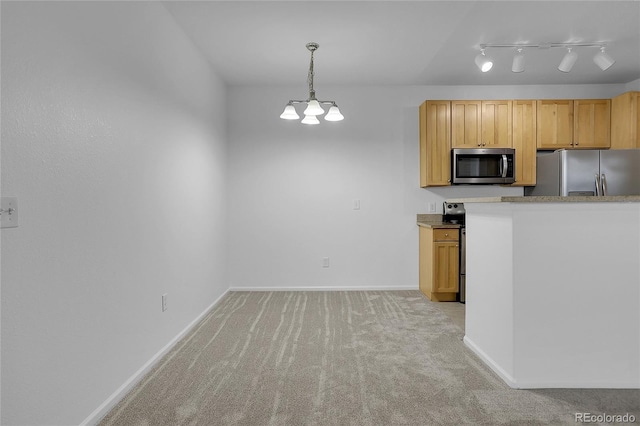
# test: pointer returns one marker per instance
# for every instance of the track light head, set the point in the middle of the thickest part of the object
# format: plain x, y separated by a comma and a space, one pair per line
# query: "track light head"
483, 61
603, 60
567, 62
518, 61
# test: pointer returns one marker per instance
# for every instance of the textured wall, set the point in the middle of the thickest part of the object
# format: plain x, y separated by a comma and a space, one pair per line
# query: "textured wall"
114, 142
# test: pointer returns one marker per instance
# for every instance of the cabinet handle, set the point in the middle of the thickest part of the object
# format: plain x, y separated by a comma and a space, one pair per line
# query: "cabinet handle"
479, 144
446, 235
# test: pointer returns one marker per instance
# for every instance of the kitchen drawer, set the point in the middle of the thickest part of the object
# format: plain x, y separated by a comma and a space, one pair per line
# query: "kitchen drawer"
446, 234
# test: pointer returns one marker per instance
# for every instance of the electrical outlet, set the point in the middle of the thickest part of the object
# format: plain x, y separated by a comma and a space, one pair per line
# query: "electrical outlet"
356, 204
164, 302
432, 207
325, 262
9, 212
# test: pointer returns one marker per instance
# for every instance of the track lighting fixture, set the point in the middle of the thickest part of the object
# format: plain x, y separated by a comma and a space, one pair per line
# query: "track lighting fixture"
603, 60
485, 63
314, 107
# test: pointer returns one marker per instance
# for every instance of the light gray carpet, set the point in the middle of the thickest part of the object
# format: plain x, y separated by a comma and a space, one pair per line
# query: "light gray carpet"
341, 358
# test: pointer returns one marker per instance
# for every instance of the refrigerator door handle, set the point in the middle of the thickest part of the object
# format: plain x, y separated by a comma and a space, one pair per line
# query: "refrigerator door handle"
505, 166
598, 190
603, 182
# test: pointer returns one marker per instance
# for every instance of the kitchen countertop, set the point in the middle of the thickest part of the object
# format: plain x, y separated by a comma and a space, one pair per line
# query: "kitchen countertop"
551, 199
433, 221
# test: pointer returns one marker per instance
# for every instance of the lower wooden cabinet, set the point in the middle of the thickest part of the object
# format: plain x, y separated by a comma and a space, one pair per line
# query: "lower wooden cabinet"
439, 263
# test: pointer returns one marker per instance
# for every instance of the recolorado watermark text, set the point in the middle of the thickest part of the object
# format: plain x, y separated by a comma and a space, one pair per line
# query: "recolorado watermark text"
604, 418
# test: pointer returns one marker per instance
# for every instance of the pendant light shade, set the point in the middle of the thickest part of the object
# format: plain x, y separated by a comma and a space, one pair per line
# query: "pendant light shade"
603, 60
518, 62
483, 61
289, 113
314, 106
310, 119
567, 62
334, 114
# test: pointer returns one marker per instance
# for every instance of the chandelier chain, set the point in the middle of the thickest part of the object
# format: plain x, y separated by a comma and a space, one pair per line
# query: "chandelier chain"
312, 94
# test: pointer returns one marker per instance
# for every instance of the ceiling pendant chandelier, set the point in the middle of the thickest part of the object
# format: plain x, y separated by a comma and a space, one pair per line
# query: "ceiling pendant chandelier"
314, 106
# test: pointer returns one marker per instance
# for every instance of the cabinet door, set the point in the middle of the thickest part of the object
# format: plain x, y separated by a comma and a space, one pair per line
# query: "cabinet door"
466, 124
496, 124
592, 123
554, 125
625, 121
524, 142
445, 267
435, 143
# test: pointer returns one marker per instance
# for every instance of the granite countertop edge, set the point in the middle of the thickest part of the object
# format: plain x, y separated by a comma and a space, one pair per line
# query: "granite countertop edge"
551, 199
434, 221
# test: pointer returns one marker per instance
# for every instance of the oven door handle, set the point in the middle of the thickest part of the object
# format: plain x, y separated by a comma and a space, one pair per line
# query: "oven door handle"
504, 166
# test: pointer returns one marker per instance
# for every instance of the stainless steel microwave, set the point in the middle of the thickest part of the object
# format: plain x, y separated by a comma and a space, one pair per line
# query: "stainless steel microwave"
484, 166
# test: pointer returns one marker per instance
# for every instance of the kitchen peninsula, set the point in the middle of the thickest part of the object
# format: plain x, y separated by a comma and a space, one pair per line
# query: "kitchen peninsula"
553, 289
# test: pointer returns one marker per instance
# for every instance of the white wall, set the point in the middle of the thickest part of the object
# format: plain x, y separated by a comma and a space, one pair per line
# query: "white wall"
632, 86
292, 186
114, 142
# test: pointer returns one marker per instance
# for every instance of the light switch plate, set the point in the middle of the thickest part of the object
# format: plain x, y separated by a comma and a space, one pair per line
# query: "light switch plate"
8, 212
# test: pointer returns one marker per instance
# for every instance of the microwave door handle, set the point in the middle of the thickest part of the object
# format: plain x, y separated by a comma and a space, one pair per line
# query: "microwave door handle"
598, 190
603, 182
504, 167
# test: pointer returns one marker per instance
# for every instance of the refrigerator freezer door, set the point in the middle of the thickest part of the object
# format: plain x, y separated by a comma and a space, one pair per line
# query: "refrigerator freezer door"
547, 175
578, 171
621, 171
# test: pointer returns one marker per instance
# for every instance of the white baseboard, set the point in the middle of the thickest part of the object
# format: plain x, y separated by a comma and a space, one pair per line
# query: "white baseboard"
115, 398
547, 384
322, 288
490, 362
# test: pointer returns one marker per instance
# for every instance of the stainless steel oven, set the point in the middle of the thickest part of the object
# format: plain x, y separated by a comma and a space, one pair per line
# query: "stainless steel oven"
484, 166
462, 295
454, 213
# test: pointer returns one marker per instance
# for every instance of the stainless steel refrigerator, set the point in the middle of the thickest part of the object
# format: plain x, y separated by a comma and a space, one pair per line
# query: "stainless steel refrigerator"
587, 172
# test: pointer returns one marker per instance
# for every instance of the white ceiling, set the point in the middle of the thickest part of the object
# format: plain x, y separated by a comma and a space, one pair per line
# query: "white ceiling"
409, 42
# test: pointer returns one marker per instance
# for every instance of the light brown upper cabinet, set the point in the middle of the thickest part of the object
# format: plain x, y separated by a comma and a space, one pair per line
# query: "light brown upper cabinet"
583, 123
592, 123
481, 124
554, 124
435, 143
524, 141
625, 121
